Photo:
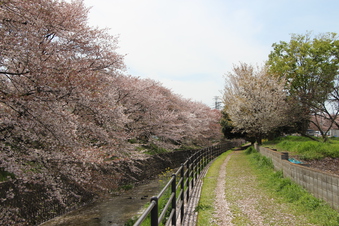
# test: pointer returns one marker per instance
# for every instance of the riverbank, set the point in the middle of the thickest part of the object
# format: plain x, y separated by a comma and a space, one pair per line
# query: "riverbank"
113, 210
25, 203
242, 195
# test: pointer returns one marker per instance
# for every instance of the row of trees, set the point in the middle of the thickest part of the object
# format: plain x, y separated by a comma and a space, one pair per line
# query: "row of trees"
63, 89
298, 82
66, 99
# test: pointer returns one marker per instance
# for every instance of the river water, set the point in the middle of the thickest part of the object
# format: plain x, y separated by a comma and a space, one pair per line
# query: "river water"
112, 211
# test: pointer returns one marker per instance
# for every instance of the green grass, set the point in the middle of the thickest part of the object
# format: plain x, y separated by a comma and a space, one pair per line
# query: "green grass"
205, 206
306, 148
301, 202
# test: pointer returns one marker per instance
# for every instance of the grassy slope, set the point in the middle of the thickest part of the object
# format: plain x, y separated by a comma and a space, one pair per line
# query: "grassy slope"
306, 148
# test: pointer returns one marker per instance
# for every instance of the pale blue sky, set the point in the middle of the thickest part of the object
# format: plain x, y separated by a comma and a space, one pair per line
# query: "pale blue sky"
188, 45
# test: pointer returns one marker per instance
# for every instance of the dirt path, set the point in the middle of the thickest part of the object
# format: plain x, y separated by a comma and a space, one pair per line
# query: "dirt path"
223, 214
241, 201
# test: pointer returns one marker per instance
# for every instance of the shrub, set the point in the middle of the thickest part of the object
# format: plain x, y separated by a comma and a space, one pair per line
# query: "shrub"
262, 161
250, 150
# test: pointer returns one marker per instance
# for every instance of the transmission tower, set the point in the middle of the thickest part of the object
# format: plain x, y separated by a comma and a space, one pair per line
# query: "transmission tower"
217, 103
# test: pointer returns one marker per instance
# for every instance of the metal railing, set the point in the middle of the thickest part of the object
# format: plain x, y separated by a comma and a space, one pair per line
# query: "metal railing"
167, 208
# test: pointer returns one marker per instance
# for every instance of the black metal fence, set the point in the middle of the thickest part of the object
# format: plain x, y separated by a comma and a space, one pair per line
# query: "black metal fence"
168, 207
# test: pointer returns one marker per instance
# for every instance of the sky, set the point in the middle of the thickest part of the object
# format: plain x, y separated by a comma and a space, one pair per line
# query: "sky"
189, 45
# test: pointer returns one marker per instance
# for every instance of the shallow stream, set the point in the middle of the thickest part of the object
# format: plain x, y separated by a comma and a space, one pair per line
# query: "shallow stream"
112, 211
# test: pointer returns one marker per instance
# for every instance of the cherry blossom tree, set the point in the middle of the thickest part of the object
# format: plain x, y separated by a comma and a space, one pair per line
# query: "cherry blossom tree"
202, 123
62, 86
55, 95
154, 110
254, 100
65, 99
54, 71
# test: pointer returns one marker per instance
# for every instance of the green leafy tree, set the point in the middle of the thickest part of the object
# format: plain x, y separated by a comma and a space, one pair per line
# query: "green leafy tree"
309, 64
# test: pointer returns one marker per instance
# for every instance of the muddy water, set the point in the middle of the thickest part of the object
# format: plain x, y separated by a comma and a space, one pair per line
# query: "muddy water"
112, 211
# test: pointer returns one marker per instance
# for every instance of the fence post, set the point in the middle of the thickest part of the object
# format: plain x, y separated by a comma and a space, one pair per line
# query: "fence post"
284, 155
154, 212
199, 163
202, 161
174, 200
204, 158
182, 185
188, 179
193, 160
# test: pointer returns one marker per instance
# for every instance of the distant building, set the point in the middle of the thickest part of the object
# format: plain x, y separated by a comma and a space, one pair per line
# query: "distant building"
331, 129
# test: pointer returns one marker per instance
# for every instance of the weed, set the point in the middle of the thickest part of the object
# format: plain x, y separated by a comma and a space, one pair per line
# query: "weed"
131, 222
153, 149
262, 161
132, 141
250, 150
127, 187
140, 148
202, 207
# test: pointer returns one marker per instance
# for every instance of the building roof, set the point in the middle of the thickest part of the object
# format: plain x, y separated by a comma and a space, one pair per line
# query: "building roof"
325, 124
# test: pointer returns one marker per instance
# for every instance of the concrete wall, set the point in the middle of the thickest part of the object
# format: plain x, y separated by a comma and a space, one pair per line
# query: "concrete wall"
321, 184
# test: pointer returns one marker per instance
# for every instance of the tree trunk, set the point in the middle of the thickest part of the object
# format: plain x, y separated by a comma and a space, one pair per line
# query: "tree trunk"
259, 138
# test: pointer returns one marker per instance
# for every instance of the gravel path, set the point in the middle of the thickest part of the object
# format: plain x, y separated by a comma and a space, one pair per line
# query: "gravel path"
223, 214
244, 202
